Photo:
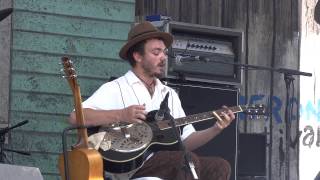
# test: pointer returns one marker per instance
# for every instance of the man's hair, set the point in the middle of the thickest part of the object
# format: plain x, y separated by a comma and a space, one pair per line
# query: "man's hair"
139, 47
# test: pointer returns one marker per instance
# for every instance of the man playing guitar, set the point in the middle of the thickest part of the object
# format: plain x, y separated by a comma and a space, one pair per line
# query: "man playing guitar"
128, 99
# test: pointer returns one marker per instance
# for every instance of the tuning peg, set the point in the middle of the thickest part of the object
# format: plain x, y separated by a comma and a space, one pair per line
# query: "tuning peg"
70, 76
61, 72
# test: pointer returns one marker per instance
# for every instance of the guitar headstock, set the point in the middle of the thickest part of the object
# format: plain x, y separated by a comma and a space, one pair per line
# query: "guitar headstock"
68, 69
70, 73
256, 109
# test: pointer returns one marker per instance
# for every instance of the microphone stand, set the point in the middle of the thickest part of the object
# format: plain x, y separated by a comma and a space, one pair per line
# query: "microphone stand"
255, 67
3, 132
288, 78
188, 164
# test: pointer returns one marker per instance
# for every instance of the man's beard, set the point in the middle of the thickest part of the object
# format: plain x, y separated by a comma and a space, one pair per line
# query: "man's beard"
155, 74
162, 71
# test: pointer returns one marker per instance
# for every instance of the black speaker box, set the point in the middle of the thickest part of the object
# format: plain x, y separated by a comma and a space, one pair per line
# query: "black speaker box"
197, 99
252, 155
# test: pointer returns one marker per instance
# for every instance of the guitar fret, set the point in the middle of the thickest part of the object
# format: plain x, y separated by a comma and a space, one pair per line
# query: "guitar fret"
200, 117
186, 120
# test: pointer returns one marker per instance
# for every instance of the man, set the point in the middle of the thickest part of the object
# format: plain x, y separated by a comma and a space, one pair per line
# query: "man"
130, 97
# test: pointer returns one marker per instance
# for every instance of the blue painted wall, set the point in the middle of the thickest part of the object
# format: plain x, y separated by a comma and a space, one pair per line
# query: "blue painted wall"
91, 33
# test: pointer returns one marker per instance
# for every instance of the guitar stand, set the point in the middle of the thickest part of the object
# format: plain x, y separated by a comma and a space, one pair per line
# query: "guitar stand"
189, 165
65, 149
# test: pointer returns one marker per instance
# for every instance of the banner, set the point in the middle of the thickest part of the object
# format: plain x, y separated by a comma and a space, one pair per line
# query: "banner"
309, 157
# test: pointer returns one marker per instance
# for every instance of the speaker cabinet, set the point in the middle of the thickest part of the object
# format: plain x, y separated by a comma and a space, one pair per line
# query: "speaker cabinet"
252, 155
197, 99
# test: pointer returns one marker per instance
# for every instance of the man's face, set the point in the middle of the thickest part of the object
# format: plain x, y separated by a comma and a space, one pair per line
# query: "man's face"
154, 59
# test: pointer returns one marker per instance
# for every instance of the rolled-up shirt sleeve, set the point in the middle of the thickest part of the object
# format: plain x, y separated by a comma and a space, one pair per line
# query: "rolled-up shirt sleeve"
104, 98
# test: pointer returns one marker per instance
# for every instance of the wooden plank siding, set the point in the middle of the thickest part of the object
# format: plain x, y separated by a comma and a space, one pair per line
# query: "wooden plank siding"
271, 39
5, 34
91, 33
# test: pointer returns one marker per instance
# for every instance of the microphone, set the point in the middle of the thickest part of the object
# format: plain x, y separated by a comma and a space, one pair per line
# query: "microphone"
7, 129
179, 59
163, 109
4, 13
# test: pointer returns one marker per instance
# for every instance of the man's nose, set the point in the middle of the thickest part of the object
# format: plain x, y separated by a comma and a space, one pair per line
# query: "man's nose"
164, 58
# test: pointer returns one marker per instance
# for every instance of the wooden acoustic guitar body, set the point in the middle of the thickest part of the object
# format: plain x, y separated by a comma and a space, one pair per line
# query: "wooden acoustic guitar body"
84, 164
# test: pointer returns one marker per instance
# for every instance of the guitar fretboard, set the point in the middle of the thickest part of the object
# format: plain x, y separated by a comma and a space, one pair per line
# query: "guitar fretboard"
165, 124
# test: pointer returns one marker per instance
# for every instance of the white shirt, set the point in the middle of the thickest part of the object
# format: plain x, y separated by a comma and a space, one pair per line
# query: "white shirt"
129, 90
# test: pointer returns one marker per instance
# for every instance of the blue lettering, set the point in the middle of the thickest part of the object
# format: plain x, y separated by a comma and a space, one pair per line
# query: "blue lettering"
252, 100
255, 98
310, 111
277, 103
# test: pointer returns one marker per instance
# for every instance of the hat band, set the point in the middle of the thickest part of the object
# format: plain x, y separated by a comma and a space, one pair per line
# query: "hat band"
145, 32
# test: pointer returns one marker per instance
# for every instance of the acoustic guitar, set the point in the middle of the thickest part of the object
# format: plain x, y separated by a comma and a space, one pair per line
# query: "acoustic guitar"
84, 163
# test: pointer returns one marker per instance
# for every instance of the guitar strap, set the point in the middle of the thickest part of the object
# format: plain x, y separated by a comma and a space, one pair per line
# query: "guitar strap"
121, 93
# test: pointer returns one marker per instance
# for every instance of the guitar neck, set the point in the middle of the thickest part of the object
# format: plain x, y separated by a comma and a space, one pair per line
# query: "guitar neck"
72, 80
82, 133
165, 124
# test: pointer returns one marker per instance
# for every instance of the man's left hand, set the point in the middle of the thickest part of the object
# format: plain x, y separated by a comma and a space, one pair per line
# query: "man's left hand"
226, 118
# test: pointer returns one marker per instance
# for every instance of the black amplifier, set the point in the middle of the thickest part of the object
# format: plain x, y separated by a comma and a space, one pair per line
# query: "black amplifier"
203, 53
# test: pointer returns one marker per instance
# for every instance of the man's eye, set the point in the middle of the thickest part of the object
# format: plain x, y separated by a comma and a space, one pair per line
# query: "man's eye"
158, 51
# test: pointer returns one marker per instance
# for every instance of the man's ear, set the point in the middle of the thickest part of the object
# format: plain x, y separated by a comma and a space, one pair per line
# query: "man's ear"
137, 56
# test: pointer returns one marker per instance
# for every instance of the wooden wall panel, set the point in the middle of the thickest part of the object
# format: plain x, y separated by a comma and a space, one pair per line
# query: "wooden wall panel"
39, 160
91, 33
5, 42
210, 12
66, 25
41, 122
97, 9
38, 42
271, 39
286, 45
48, 63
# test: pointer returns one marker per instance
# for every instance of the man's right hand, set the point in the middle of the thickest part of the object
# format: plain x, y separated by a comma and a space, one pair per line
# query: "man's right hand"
133, 114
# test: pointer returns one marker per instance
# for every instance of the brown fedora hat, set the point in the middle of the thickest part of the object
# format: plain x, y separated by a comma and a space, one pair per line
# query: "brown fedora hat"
143, 31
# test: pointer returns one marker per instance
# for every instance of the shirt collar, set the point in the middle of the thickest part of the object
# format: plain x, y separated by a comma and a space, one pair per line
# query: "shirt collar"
132, 79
